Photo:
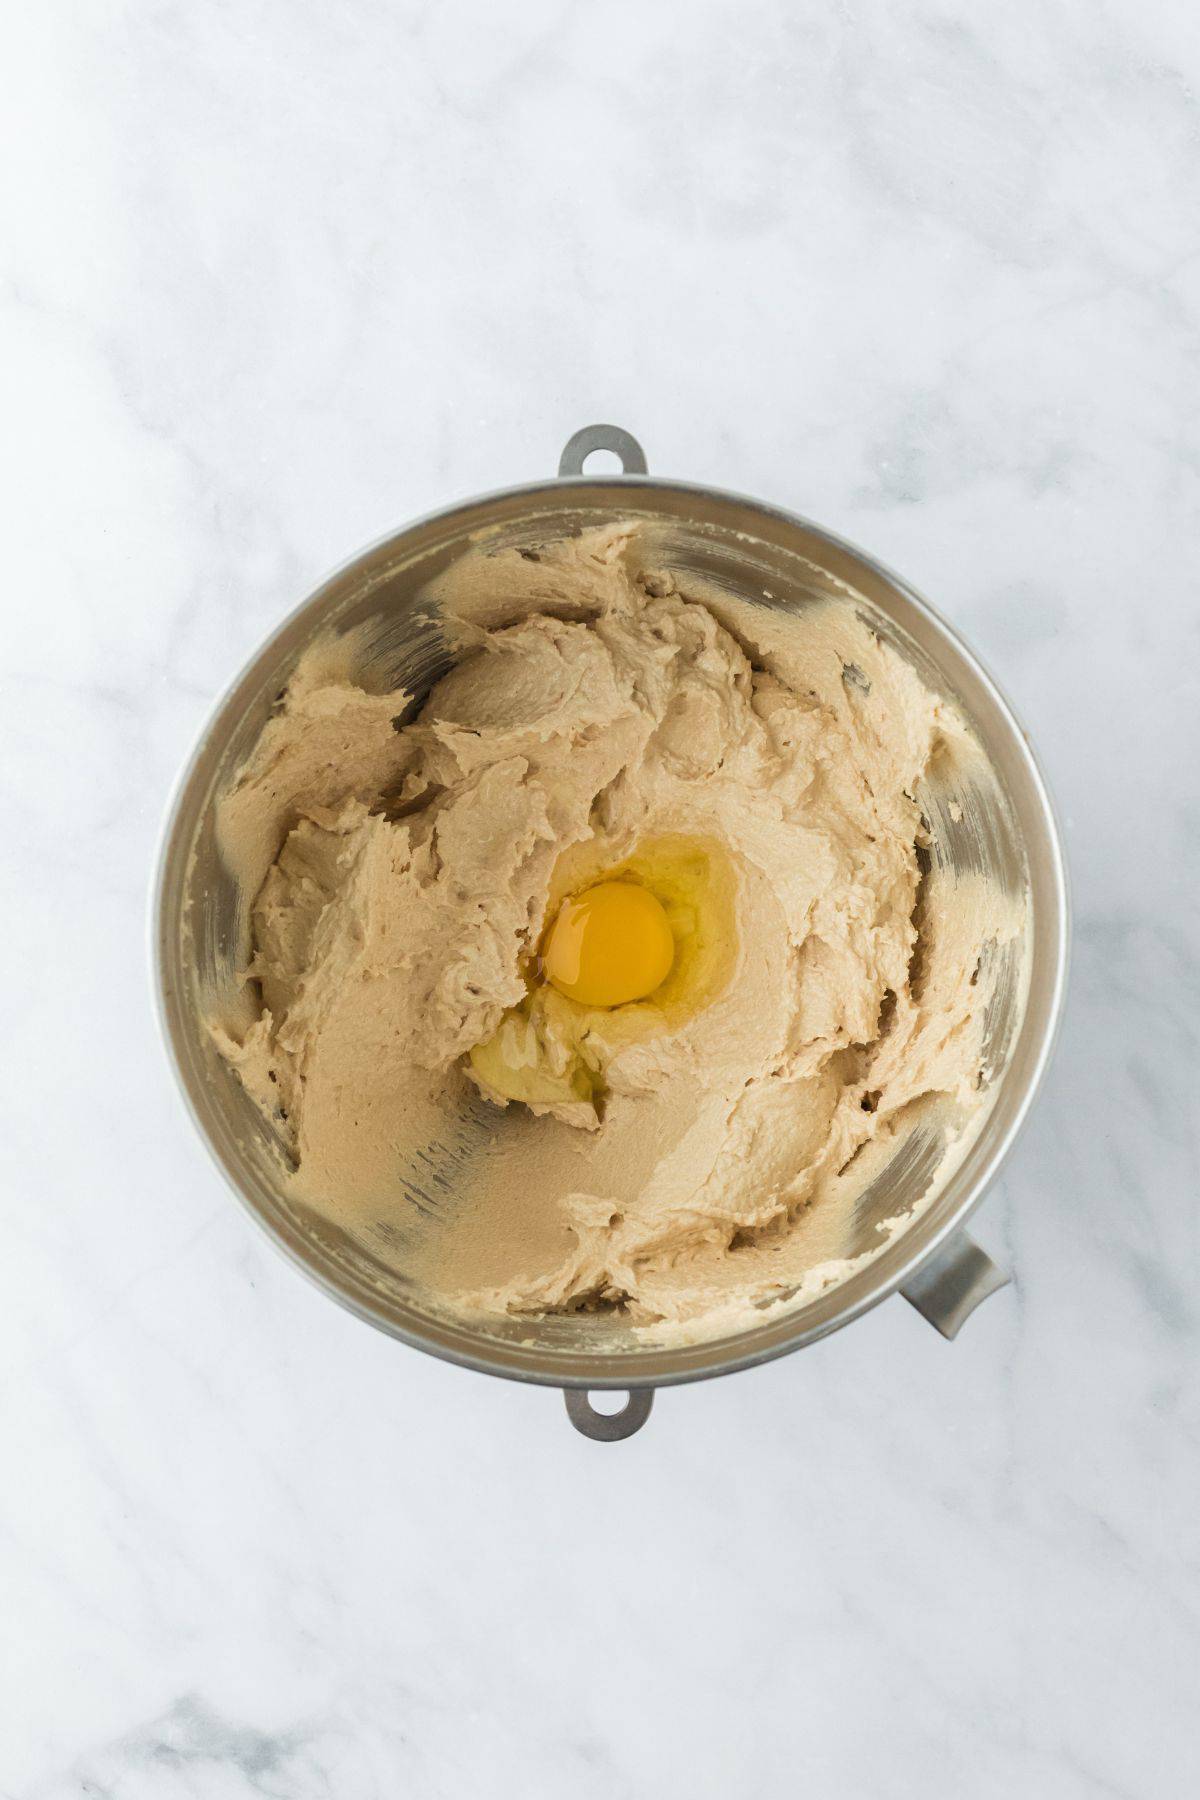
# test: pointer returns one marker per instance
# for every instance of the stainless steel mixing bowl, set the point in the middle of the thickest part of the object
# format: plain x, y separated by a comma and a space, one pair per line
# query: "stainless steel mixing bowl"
754, 553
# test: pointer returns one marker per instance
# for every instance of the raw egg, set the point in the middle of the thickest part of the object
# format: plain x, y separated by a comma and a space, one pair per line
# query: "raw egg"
609, 945
636, 945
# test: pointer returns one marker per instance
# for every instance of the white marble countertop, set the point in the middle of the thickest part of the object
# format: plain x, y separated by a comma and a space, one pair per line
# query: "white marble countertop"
278, 277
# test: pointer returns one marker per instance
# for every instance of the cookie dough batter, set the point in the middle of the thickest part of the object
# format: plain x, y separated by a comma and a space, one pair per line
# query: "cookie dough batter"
694, 1155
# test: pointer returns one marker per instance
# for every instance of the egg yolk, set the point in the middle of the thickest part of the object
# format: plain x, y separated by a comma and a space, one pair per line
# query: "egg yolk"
609, 945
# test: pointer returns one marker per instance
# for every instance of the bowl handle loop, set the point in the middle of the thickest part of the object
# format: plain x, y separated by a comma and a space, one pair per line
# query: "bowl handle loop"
947, 1289
608, 1428
578, 448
